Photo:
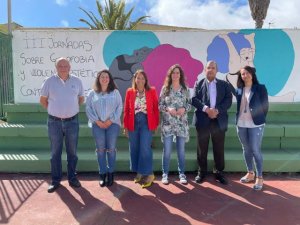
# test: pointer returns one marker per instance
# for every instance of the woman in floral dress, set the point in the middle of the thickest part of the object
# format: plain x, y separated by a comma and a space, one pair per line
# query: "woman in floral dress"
174, 105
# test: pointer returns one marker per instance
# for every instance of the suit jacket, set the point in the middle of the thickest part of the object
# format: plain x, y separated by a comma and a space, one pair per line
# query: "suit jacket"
152, 109
258, 104
201, 98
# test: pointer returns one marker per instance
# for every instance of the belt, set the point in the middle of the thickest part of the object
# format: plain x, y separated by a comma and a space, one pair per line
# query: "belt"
62, 119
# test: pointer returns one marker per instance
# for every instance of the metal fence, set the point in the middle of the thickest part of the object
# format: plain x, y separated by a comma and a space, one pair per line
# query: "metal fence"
6, 71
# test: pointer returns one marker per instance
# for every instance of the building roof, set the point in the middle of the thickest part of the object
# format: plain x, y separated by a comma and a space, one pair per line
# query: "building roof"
4, 28
148, 26
141, 26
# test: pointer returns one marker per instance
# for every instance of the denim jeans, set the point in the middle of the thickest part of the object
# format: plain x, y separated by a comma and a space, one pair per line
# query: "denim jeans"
180, 144
105, 140
251, 139
141, 156
58, 132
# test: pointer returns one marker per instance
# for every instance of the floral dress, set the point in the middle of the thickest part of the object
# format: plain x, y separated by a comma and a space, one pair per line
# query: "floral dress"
174, 125
140, 103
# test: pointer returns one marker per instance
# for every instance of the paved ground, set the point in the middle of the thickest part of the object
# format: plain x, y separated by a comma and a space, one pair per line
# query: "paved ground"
24, 200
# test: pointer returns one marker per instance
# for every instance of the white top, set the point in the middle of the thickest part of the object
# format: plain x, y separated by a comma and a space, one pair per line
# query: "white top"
245, 118
63, 96
104, 106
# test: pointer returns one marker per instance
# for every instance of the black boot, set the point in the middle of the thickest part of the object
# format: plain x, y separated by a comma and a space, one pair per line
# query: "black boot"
110, 179
102, 181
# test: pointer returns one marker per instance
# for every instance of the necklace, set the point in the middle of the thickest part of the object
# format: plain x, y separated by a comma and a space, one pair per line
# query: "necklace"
245, 109
140, 94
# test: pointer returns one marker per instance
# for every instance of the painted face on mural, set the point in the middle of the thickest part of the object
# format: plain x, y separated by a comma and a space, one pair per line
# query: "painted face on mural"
104, 79
211, 71
246, 76
175, 75
247, 56
63, 68
140, 81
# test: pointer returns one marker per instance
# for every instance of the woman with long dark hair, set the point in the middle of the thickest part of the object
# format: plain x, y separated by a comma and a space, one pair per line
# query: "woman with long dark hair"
174, 105
104, 109
252, 109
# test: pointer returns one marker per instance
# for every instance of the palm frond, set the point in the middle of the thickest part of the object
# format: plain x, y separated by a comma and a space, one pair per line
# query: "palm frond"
112, 16
92, 27
133, 25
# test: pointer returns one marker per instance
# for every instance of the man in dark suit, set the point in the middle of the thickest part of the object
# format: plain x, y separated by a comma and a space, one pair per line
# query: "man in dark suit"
212, 98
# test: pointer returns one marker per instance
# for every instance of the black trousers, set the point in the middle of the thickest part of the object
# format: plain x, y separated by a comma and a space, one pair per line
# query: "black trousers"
218, 138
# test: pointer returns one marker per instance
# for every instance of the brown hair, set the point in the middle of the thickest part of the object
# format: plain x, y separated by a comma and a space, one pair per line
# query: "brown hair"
134, 86
111, 85
240, 83
168, 80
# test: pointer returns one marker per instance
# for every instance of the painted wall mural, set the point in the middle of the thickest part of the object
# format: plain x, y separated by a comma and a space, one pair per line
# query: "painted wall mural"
257, 49
272, 52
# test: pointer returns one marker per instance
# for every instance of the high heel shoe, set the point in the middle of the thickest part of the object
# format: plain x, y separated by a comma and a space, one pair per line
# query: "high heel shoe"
148, 182
138, 178
258, 184
249, 177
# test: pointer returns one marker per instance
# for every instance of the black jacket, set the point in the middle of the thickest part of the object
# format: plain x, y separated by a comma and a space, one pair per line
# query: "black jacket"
201, 98
258, 104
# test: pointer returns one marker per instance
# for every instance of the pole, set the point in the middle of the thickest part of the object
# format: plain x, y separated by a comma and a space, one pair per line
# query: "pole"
9, 17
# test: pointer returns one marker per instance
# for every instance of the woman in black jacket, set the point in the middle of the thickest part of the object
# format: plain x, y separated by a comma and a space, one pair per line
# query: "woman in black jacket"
252, 108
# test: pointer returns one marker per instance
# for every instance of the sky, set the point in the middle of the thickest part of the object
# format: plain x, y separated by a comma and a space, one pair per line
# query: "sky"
206, 14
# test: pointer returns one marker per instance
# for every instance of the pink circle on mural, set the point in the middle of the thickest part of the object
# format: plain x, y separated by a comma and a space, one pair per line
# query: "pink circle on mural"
161, 58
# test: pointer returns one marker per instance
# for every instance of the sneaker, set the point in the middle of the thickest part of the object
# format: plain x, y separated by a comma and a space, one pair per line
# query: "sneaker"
182, 179
165, 179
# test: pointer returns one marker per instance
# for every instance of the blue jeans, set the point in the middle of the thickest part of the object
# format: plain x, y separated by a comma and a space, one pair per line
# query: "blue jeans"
141, 156
251, 139
180, 144
105, 140
58, 132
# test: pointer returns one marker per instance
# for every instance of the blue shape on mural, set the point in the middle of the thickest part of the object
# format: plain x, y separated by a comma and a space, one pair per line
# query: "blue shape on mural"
239, 41
126, 42
218, 50
274, 58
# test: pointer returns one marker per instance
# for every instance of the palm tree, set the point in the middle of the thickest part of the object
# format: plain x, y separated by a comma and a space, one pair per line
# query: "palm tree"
259, 9
112, 17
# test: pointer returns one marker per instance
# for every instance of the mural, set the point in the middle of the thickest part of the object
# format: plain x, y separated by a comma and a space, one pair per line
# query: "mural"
125, 43
272, 52
163, 57
261, 51
152, 57
124, 66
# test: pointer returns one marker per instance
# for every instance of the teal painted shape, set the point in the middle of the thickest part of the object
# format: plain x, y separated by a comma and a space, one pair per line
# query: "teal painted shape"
125, 42
274, 58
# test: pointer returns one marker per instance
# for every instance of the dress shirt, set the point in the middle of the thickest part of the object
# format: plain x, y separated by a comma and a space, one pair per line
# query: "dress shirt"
212, 91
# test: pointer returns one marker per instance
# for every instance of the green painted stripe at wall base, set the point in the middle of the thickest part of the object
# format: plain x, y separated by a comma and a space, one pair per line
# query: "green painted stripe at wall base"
26, 136
39, 161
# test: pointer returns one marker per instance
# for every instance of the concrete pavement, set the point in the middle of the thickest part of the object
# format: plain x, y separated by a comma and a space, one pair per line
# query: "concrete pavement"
24, 200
